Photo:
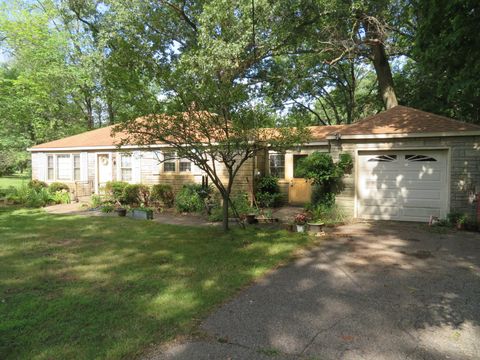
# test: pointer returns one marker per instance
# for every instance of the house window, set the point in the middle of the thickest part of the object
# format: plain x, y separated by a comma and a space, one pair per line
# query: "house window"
50, 169
383, 158
421, 158
277, 165
185, 165
169, 162
76, 167
126, 167
64, 167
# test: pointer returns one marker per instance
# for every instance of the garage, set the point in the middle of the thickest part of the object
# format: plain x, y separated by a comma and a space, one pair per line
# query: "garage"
407, 185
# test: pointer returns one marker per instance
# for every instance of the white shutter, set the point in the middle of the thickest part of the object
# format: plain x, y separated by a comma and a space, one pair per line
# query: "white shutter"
39, 161
118, 166
157, 162
136, 167
84, 166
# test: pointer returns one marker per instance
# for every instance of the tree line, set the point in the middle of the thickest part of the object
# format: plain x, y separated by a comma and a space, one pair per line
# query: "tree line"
74, 65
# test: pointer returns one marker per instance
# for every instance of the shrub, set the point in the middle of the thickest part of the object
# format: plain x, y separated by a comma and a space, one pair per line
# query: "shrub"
61, 197
268, 192
191, 198
37, 184
329, 215
162, 193
115, 189
240, 203
135, 195
325, 174
58, 186
96, 201
38, 198
107, 208
455, 218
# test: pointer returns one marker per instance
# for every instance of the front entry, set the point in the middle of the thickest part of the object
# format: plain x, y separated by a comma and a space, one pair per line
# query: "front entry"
104, 170
300, 189
299, 192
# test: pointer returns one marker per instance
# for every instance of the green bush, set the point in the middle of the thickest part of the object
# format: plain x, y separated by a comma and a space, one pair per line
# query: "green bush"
325, 174
268, 192
162, 193
37, 184
135, 195
38, 198
58, 186
240, 203
107, 208
327, 214
61, 197
115, 190
96, 201
191, 198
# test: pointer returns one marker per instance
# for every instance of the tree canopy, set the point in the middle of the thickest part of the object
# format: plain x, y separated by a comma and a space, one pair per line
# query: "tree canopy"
68, 66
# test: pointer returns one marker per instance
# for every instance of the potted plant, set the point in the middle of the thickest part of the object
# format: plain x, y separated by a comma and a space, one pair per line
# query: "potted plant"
300, 220
461, 221
315, 227
144, 213
121, 211
250, 218
266, 217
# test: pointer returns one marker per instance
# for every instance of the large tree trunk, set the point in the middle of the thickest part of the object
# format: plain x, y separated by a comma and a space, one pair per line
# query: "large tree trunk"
380, 62
384, 75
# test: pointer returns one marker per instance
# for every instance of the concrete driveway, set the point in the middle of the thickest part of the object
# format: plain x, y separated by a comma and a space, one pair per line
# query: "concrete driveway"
380, 290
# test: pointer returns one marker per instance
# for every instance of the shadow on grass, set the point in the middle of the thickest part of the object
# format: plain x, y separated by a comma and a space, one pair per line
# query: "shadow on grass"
369, 292
94, 287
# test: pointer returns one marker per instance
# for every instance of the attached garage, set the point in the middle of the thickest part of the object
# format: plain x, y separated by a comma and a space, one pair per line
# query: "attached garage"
409, 165
407, 185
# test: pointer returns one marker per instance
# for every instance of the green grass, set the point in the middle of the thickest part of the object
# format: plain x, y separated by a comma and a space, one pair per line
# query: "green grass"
13, 180
75, 287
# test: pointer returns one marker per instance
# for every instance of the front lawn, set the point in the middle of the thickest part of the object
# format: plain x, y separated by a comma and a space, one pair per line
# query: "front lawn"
75, 287
13, 180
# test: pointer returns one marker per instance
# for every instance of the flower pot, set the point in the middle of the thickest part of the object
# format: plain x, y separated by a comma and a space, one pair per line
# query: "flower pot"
300, 228
460, 226
250, 218
315, 228
121, 212
142, 214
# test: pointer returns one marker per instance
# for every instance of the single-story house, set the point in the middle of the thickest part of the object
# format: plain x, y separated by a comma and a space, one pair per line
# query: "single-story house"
408, 165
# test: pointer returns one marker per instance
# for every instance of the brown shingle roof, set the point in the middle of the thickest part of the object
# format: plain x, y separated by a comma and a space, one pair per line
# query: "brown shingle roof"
406, 120
97, 137
105, 137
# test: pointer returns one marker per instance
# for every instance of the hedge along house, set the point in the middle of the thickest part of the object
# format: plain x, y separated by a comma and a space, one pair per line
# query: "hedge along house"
408, 165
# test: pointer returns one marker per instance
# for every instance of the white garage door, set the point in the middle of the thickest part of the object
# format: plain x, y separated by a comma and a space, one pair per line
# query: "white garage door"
402, 185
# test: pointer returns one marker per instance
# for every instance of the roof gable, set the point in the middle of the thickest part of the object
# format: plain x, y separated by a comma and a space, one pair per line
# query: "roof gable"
406, 120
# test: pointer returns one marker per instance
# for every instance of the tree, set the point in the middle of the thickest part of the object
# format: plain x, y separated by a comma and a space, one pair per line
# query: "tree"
218, 144
445, 71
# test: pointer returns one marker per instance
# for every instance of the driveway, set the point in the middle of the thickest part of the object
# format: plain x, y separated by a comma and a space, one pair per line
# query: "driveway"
379, 290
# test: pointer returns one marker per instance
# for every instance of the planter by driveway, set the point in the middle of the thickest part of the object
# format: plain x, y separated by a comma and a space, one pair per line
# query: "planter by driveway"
372, 291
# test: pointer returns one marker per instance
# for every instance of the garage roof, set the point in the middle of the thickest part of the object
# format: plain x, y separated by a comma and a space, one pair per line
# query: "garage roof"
405, 120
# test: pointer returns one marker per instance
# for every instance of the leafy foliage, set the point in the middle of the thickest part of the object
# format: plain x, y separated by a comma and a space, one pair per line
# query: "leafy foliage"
58, 186
115, 190
191, 198
163, 193
325, 175
268, 192
37, 184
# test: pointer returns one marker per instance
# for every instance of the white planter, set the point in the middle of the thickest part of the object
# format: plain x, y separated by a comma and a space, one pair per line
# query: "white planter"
300, 228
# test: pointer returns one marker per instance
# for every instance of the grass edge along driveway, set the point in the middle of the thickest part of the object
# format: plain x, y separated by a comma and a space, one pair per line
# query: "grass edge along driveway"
106, 287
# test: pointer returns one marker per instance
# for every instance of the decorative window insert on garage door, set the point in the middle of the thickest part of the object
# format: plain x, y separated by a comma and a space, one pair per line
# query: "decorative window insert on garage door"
407, 185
